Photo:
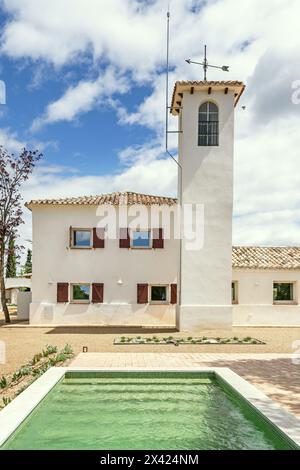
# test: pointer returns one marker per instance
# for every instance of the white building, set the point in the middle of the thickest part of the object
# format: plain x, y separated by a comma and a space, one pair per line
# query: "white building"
117, 259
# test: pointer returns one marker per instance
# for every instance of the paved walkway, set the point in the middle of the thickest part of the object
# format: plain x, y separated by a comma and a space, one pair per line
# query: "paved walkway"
277, 375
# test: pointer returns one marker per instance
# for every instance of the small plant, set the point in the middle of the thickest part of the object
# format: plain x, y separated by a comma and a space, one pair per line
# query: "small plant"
235, 338
170, 338
204, 338
36, 358
148, 340
67, 350
138, 337
190, 338
248, 338
6, 400
49, 350
61, 357
218, 339
3, 382
156, 340
123, 339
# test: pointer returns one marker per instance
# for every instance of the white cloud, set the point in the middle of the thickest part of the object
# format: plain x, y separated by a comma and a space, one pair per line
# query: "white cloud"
9, 140
81, 98
258, 40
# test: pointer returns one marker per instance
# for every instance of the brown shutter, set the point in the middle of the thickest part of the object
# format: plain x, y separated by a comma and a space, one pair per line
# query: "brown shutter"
158, 238
98, 237
173, 294
97, 293
62, 292
124, 241
142, 293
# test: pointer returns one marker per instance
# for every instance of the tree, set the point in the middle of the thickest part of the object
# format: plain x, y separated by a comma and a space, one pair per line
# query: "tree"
14, 171
28, 264
11, 262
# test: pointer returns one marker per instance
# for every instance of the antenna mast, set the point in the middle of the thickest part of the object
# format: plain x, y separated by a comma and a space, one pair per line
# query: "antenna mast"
167, 94
167, 79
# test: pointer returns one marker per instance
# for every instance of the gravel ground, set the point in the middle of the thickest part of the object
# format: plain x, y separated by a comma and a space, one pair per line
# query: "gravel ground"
22, 342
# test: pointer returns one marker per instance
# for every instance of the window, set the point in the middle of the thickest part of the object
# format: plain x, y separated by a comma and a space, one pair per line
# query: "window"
159, 294
283, 292
81, 238
234, 292
80, 293
141, 239
208, 124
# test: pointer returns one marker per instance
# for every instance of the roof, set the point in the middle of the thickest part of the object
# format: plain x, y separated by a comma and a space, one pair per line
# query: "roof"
118, 198
191, 86
266, 257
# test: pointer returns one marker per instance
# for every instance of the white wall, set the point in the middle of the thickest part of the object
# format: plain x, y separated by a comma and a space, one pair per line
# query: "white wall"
207, 178
54, 261
255, 298
23, 305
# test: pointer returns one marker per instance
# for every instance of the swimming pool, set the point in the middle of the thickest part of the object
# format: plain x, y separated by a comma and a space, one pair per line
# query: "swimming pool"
145, 410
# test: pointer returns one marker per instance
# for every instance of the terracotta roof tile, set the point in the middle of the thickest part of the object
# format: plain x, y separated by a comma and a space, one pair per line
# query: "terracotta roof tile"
266, 257
180, 86
127, 198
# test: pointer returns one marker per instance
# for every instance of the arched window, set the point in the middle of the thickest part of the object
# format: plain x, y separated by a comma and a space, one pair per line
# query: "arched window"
208, 124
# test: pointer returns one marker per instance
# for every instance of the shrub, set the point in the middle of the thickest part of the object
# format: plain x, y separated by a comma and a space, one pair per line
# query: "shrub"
3, 382
6, 400
49, 350
36, 358
67, 350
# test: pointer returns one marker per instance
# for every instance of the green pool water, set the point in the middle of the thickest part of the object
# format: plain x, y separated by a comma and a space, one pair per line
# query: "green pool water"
144, 411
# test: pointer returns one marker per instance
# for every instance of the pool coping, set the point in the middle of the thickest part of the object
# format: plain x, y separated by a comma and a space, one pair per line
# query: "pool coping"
19, 409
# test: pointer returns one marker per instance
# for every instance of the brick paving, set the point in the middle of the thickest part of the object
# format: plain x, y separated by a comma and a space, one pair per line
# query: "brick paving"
277, 375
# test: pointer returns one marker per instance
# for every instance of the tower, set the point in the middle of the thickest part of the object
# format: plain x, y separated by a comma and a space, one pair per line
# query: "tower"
206, 142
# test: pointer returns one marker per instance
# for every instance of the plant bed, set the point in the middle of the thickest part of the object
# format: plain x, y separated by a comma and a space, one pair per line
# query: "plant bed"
12, 385
123, 340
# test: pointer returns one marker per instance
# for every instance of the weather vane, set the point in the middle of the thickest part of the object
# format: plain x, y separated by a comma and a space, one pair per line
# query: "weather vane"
205, 64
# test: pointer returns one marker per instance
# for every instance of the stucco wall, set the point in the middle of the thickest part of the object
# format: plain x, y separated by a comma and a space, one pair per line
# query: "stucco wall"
54, 261
255, 298
207, 179
23, 305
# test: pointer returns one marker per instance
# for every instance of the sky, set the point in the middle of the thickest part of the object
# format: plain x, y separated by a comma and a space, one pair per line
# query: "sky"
85, 84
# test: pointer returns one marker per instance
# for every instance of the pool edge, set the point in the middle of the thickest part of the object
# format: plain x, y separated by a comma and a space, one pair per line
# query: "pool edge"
14, 414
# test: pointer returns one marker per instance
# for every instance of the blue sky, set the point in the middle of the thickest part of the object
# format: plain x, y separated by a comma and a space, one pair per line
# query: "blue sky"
85, 84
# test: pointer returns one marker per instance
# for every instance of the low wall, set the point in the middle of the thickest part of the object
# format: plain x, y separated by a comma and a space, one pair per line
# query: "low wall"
102, 314
23, 305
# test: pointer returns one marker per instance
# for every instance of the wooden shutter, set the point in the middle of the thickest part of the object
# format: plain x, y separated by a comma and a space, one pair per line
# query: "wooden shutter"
158, 238
173, 294
98, 237
142, 293
124, 241
97, 293
62, 292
